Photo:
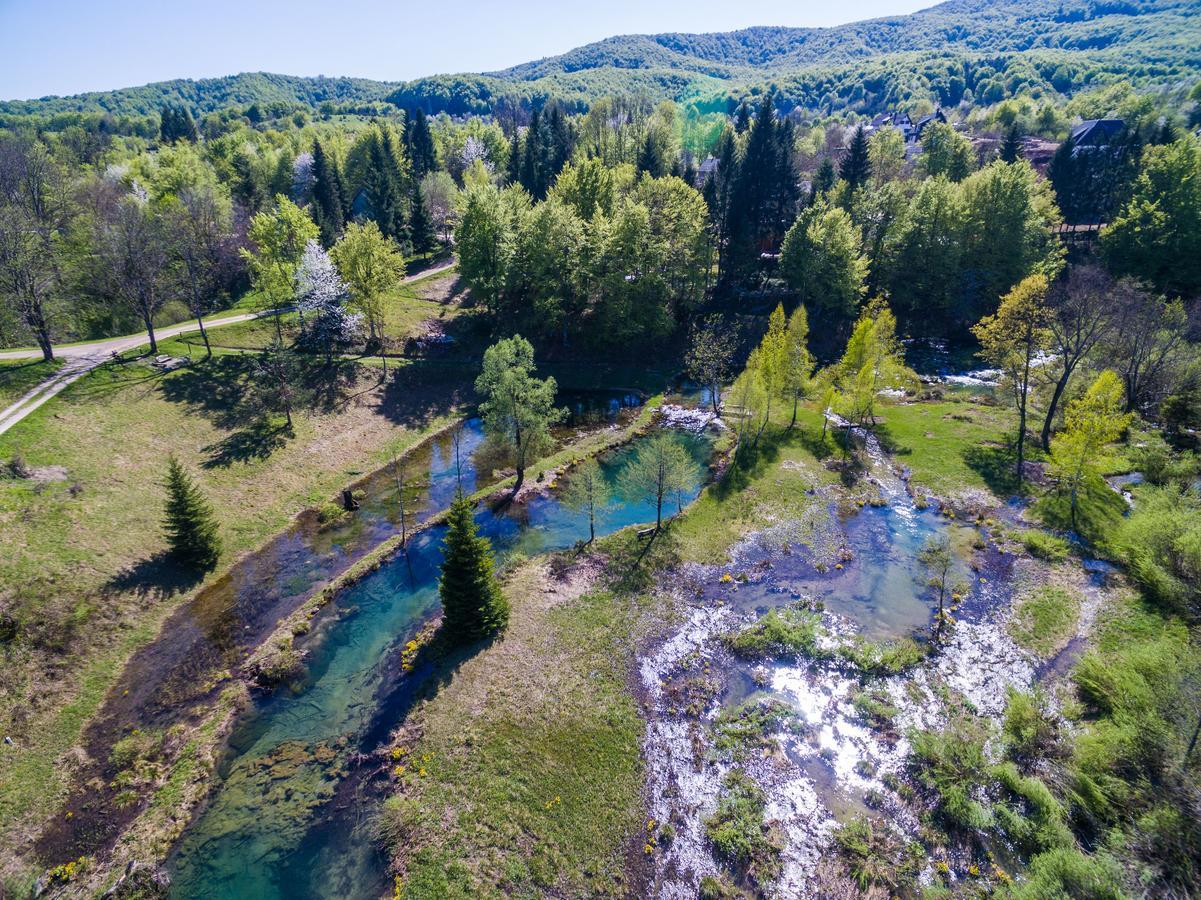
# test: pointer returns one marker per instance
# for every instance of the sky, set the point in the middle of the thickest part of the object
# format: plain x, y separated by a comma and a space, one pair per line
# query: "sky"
72, 46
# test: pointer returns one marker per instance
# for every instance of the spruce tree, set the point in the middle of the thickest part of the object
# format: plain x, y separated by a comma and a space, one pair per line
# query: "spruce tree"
650, 160
1011, 147
420, 144
328, 209
473, 605
382, 184
742, 121
190, 527
856, 166
421, 226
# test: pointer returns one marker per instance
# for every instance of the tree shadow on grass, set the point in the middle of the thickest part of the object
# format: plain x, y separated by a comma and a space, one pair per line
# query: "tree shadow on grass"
422, 390
996, 464
155, 578
255, 442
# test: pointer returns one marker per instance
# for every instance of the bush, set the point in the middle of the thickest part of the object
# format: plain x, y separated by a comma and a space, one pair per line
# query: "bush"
951, 763
748, 727
737, 830
1161, 544
1043, 545
877, 857
1030, 728
793, 630
878, 659
1066, 872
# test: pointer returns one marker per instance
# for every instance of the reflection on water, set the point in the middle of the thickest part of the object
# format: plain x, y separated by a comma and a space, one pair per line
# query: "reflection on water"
284, 820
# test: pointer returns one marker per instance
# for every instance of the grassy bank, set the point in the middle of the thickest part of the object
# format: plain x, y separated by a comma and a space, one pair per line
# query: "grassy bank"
18, 376
84, 577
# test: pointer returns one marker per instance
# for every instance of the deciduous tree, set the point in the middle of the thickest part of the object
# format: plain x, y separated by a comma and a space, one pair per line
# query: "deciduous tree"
518, 408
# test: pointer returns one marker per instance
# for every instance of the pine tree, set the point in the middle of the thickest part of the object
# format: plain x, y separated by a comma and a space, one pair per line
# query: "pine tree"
823, 181
1011, 147
328, 209
473, 605
513, 174
190, 527
742, 121
650, 160
421, 226
420, 145
382, 184
856, 166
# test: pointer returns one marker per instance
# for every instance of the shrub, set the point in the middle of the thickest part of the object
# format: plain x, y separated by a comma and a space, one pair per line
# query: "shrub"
1044, 545
793, 630
952, 764
748, 727
737, 830
878, 659
1066, 872
1030, 728
876, 856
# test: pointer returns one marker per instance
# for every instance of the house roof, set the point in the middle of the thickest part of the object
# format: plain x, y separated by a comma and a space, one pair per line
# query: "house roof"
1097, 132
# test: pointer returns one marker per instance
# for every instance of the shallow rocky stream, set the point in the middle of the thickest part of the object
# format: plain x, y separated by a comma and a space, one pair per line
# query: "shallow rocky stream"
824, 763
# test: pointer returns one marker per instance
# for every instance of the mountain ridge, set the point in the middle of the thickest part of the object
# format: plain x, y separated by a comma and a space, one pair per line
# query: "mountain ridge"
1147, 40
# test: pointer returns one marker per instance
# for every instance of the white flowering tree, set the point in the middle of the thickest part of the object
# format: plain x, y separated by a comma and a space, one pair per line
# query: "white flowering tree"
321, 296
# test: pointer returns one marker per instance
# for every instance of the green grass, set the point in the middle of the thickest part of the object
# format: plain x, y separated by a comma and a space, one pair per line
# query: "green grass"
950, 447
1045, 619
67, 543
526, 776
17, 377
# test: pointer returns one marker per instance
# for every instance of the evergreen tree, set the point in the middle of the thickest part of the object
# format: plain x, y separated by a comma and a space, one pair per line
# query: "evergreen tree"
650, 158
754, 203
742, 122
382, 184
420, 145
190, 527
421, 226
513, 174
473, 605
823, 181
328, 208
176, 124
1011, 147
856, 166
528, 175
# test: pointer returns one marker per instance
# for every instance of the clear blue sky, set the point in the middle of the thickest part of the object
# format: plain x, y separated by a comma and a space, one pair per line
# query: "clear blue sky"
71, 46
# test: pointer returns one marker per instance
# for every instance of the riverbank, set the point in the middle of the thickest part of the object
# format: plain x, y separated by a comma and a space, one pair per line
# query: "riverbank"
82, 572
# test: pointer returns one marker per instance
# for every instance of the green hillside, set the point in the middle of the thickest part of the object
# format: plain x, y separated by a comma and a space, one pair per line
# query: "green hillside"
973, 49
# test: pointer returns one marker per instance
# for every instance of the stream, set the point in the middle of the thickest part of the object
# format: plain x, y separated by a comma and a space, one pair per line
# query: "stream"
825, 763
287, 817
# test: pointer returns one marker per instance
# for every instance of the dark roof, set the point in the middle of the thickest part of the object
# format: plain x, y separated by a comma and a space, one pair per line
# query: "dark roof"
1097, 132
937, 115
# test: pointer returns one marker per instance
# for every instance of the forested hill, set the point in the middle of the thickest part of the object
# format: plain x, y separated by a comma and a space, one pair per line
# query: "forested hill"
1154, 31
981, 49
211, 94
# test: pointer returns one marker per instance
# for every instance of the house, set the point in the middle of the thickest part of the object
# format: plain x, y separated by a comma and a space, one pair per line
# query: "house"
1094, 133
705, 170
920, 125
892, 119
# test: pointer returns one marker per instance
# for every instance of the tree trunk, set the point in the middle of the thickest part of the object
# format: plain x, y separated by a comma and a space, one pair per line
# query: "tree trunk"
1060, 385
1022, 423
208, 350
519, 482
150, 332
796, 400
591, 524
46, 347
1192, 741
